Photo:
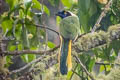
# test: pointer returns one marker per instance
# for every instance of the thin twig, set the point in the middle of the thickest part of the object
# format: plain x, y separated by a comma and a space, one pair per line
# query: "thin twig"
84, 68
77, 47
103, 14
29, 64
101, 63
41, 58
37, 25
46, 37
30, 52
73, 71
105, 68
76, 74
41, 26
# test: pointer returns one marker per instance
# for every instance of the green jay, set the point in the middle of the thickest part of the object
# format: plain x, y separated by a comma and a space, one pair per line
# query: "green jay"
69, 30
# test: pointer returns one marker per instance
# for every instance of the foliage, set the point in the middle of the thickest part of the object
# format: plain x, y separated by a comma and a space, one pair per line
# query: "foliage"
17, 25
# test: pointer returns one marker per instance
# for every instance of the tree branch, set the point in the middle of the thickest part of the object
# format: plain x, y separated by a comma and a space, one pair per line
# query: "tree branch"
92, 40
37, 25
103, 14
38, 52
84, 43
84, 68
73, 71
41, 26
41, 58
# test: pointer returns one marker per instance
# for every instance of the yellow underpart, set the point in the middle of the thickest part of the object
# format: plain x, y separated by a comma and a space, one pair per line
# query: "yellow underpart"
69, 61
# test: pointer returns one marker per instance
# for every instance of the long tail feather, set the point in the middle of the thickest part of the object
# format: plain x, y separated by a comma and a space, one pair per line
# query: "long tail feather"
69, 59
65, 56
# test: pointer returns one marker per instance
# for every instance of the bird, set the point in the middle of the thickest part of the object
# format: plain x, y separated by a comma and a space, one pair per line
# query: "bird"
69, 30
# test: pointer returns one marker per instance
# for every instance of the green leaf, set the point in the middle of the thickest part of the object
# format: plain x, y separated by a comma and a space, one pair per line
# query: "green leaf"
8, 61
84, 21
24, 38
115, 45
25, 58
28, 4
108, 67
28, 57
84, 5
19, 46
12, 3
15, 8
58, 19
8, 58
6, 25
42, 32
50, 44
38, 6
21, 14
31, 57
102, 68
46, 10
87, 8
91, 64
12, 48
27, 1
14, 27
69, 74
92, 8
18, 31
31, 29
67, 3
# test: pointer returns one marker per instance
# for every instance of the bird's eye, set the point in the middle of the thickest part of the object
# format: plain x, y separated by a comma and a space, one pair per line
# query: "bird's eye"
65, 12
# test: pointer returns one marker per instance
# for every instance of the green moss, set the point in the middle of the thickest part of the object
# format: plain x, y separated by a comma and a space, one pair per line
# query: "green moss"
114, 32
92, 40
114, 27
103, 35
113, 75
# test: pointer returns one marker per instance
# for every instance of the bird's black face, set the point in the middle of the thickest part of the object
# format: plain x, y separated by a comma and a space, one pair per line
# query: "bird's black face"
63, 14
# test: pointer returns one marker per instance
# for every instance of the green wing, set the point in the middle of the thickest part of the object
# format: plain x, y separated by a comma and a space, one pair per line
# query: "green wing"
69, 27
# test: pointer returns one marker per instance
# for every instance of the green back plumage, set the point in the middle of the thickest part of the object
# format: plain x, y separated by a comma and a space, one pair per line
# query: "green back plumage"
69, 27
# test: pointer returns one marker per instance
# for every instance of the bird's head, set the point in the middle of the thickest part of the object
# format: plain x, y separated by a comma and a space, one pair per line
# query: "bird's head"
64, 14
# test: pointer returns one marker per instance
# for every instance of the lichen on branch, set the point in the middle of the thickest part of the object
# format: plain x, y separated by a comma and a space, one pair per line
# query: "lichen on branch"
92, 40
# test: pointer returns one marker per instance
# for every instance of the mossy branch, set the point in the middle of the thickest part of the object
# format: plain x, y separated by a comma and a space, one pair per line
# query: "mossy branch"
92, 40
113, 75
84, 43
